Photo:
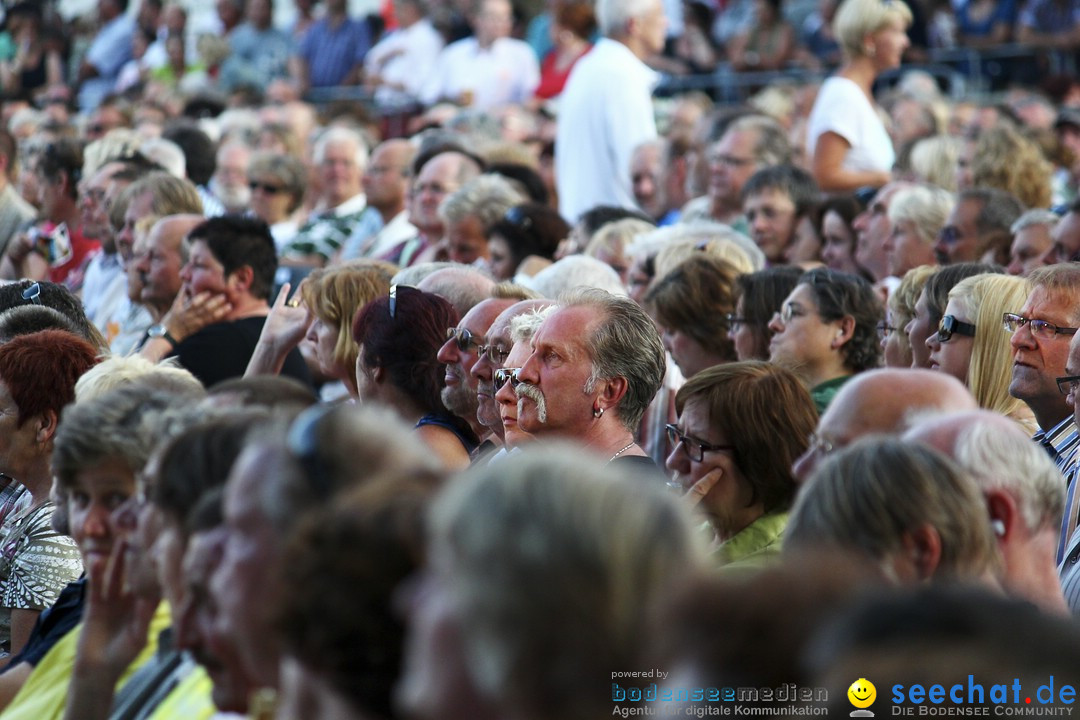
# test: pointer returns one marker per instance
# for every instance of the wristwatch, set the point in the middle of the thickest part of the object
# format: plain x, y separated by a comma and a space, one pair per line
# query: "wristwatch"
160, 331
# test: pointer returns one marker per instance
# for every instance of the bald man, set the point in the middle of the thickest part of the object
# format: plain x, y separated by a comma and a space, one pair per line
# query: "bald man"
384, 224
1024, 496
881, 401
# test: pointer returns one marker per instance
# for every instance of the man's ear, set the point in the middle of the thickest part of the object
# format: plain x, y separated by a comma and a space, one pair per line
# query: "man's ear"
1003, 514
612, 392
923, 547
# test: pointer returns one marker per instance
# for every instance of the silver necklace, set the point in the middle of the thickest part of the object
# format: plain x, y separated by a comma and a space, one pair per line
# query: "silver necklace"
621, 451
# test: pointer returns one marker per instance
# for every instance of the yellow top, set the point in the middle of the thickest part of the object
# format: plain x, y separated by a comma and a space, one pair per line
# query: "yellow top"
44, 693
189, 700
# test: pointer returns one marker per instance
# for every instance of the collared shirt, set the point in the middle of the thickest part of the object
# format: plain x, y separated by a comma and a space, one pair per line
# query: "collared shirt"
756, 545
366, 243
505, 73
325, 233
104, 288
605, 112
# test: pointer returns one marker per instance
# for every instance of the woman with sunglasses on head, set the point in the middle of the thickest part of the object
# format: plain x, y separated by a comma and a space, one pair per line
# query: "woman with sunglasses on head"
972, 344
761, 294
741, 426
528, 230
399, 336
826, 331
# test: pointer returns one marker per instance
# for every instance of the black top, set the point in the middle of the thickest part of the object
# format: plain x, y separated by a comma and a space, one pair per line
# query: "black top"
221, 351
53, 623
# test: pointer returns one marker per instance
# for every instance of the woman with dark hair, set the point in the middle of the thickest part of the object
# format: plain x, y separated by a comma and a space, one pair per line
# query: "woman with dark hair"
741, 427
761, 294
525, 230
826, 331
835, 219
399, 337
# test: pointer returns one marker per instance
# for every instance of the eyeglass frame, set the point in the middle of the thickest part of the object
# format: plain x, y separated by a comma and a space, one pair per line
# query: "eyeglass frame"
949, 326
1064, 383
489, 352
501, 376
734, 321
1038, 328
464, 339
884, 329
677, 437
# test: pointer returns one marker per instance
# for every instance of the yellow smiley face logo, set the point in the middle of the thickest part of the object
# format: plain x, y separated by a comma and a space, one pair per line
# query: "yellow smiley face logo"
862, 693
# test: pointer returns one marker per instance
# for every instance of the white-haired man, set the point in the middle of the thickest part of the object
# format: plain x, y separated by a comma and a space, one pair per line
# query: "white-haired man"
1024, 496
606, 109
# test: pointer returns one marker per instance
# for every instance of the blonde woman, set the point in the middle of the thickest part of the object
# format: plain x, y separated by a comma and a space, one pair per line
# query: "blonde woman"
899, 311
972, 345
934, 159
848, 144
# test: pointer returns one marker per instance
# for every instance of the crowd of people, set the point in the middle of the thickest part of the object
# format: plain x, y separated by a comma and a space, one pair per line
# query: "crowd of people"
565, 402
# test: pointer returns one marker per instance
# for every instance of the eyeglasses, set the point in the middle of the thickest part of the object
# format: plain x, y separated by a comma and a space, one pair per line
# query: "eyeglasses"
694, 448
884, 330
33, 294
950, 326
496, 354
504, 375
265, 187
463, 339
735, 322
729, 160
818, 445
790, 311
1068, 384
1039, 328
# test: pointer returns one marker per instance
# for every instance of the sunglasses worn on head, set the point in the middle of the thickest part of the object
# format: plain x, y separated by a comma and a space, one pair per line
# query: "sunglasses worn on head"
950, 326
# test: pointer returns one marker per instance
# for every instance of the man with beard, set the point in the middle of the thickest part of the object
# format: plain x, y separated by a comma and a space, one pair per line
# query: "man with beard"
229, 183
460, 353
596, 363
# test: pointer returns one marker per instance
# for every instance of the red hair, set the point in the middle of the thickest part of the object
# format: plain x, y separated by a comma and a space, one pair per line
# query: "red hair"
40, 370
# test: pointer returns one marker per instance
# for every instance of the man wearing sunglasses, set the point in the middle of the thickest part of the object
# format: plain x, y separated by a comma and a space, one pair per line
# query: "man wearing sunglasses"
463, 347
978, 228
492, 358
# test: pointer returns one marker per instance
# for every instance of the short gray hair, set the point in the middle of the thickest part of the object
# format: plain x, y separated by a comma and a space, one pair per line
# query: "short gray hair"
1009, 461
575, 271
773, 146
524, 326
339, 134
1037, 216
625, 344
487, 198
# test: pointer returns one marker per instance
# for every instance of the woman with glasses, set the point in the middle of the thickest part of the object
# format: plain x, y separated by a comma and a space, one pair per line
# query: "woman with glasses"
692, 304
972, 342
741, 427
278, 182
826, 331
760, 296
399, 336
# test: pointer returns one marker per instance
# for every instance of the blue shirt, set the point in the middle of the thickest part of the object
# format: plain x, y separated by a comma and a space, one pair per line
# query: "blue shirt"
258, 56
108, 52
331, 53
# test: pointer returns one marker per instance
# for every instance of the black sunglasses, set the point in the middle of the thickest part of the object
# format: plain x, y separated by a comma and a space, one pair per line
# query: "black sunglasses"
950, 326
265, 187
463, 338
504, 375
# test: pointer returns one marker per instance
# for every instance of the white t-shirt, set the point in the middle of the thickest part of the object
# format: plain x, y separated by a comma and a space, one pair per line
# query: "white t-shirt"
505, 73
404, 57
604, 113
842, 107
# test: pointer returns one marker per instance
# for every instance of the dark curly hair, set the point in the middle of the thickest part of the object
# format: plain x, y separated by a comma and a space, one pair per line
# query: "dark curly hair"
839, 295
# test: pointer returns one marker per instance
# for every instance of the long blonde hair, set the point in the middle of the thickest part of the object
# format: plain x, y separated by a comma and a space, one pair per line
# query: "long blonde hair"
987, 297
